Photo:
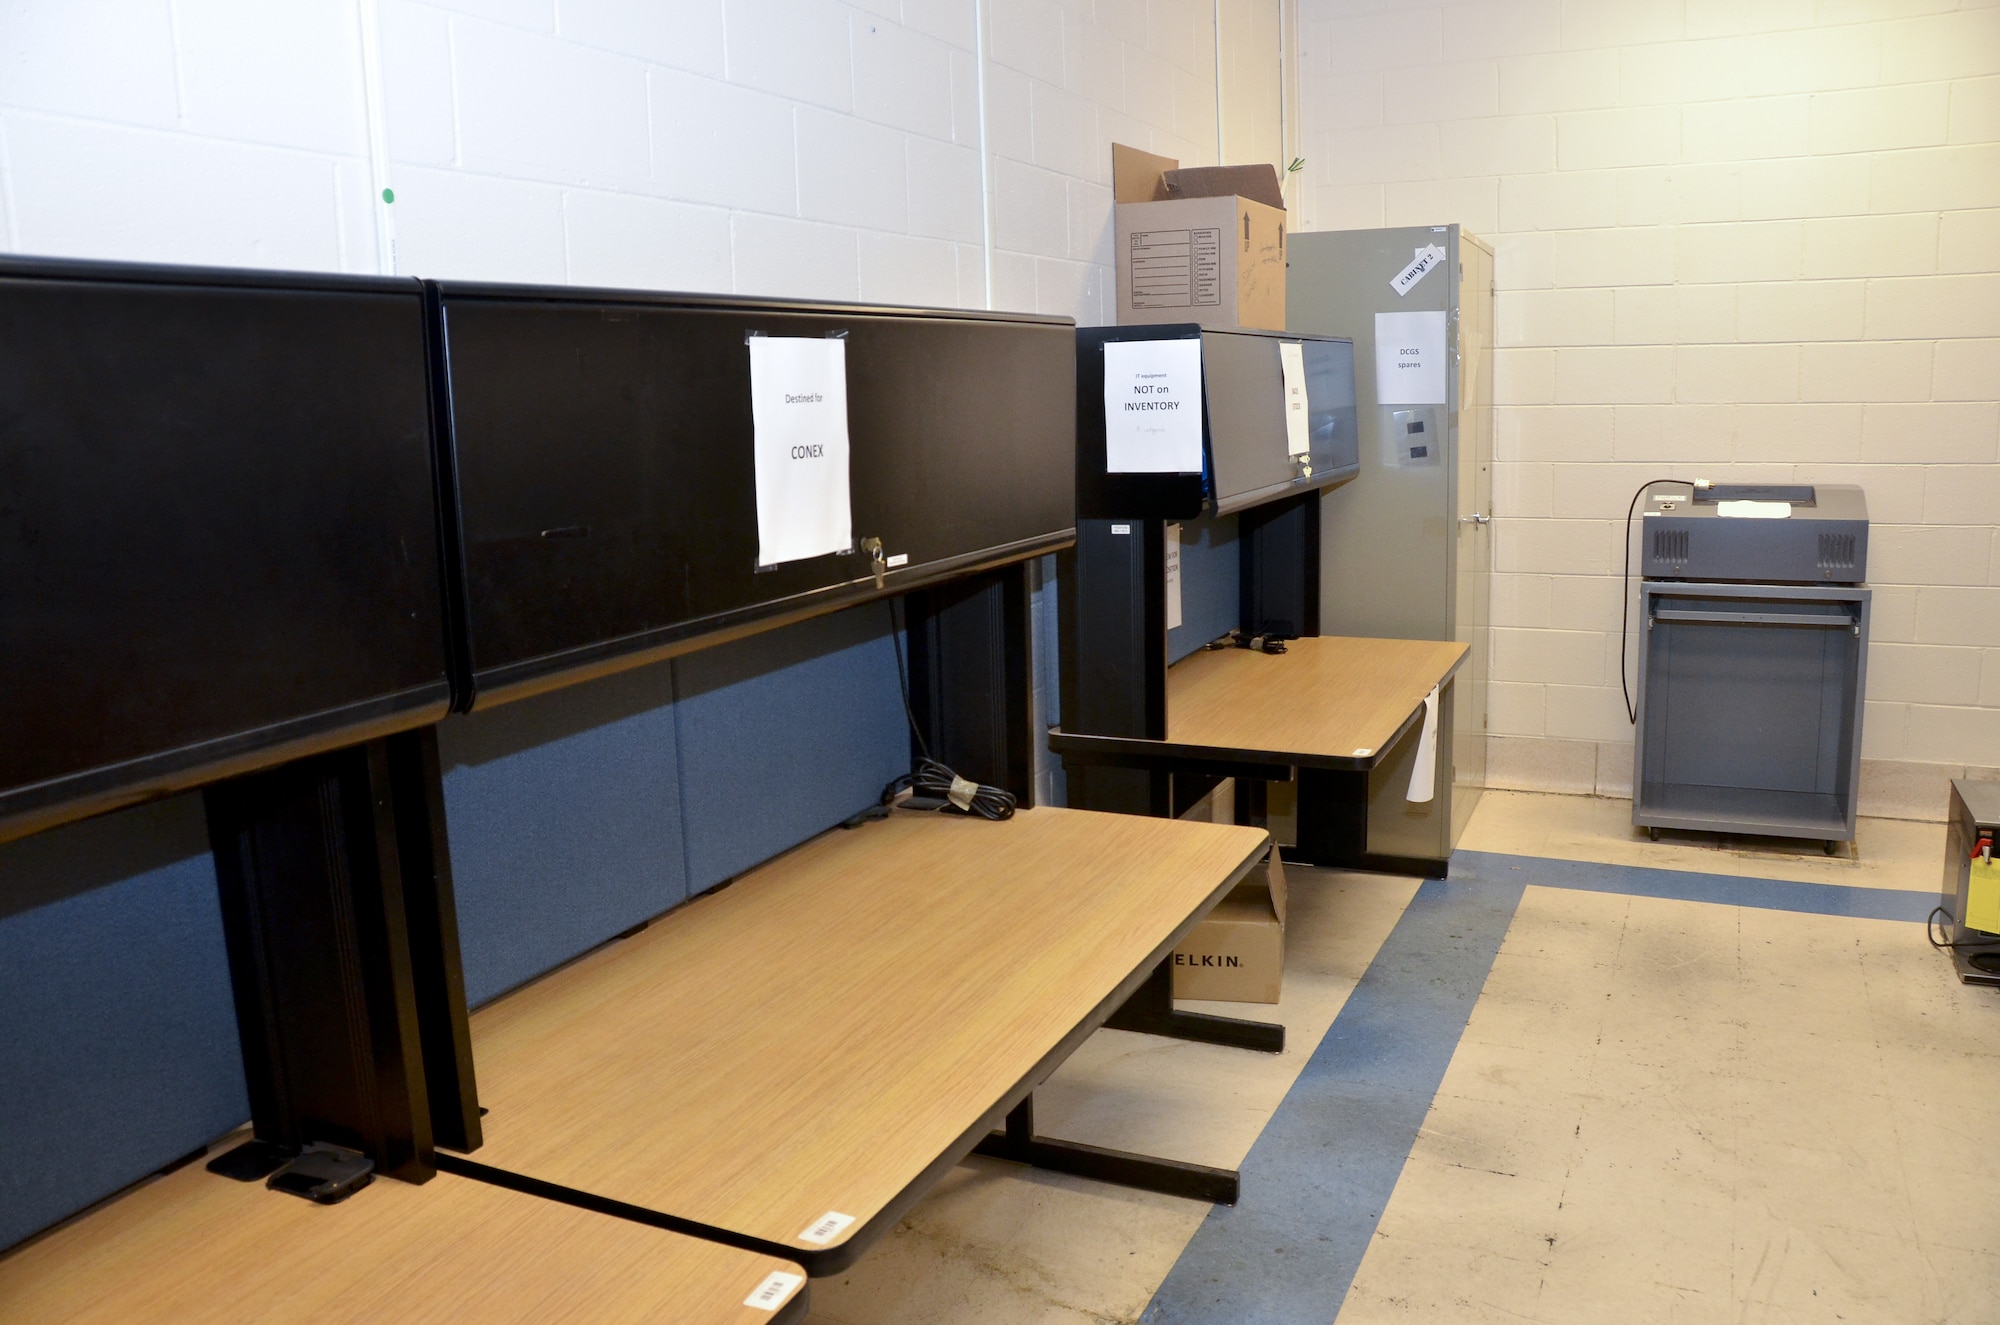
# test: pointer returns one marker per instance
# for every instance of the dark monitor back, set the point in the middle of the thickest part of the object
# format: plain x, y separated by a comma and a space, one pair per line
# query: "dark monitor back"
606, 479
218, 530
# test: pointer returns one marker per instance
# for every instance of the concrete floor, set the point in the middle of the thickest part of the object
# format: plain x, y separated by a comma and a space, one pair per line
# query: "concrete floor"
1657, 1109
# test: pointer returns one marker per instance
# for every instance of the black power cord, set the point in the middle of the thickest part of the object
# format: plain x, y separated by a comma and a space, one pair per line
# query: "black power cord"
1625, 590
1931, 933
931, 785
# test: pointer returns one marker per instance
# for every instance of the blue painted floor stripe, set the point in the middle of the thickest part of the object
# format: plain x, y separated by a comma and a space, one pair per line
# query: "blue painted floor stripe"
1322, 1172
1824, 899
1320, 1176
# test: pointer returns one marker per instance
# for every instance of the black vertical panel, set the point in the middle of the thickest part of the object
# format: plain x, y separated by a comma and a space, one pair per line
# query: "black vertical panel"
972, 677
1279, 567
437, 971
1114, 656
309, 866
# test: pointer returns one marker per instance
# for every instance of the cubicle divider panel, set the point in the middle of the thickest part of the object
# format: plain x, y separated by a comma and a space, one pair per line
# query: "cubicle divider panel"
602, 446
218, 530
118, 1051
1210, 584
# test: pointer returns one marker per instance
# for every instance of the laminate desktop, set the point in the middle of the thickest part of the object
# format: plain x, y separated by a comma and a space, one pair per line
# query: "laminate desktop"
795, 1056
1326, 699
195, 1247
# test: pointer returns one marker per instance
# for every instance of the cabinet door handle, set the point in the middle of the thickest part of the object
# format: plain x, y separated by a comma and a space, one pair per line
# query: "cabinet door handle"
1475, 519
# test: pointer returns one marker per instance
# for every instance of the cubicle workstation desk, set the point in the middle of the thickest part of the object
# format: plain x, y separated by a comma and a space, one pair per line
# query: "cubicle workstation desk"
194, 1247
1346, 710
790, 1062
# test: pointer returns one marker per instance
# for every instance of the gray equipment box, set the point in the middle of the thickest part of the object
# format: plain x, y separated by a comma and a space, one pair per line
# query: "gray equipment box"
1750, 708
1823, 539
1975, 813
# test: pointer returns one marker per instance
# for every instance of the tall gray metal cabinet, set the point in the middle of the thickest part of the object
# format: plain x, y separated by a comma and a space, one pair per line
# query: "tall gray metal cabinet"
1753, 647
1406, 549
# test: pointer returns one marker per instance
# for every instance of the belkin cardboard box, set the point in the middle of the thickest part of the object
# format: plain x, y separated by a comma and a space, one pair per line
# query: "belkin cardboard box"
1237, 954
1205, 245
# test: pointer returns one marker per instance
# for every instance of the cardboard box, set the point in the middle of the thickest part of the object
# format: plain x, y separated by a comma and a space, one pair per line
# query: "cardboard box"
1237, 954
1202, 245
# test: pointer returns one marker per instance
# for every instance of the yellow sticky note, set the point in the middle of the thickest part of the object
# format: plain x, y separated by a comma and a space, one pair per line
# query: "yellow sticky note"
1982, 896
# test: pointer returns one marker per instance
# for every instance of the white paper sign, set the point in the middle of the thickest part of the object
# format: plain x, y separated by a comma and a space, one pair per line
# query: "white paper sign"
1754, 510
1409, 358
1173, 577
798, 404
1420, 266
1152, 407
775, 1291
1292, 364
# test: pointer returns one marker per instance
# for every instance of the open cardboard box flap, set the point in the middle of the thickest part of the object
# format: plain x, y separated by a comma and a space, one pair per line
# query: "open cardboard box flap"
1138, 176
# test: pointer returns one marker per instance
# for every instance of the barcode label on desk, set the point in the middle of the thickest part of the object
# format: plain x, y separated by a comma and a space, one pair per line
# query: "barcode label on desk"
774, 1291
826, 1228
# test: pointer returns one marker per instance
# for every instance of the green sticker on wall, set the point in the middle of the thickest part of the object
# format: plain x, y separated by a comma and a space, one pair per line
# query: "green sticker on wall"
388, 195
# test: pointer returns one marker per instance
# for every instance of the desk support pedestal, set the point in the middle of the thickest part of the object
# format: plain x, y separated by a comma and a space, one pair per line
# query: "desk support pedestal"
1169, 1177
1151, 1011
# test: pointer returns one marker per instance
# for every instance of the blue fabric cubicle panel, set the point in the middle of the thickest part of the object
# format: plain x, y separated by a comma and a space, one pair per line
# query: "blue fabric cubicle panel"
565, 821
784, 735
1210, 590
118, 1049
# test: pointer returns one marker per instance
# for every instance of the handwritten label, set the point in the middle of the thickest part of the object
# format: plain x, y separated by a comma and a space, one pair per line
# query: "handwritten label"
775, 1291
826, 1228
1406, 280
1173, 577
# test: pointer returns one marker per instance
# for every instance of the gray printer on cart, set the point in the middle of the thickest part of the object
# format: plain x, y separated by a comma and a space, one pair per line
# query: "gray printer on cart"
1753, 653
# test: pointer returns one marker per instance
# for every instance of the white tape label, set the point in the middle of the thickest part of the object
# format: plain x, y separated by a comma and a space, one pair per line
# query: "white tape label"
775, 1291
1420, 266
900, 559
826, 1228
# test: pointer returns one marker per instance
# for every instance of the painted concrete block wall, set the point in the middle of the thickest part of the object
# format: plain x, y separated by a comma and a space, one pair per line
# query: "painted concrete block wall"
1735, 241
775, 147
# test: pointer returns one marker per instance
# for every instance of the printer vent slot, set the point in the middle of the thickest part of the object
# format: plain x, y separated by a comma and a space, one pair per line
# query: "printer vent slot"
1836, 551
1672, 545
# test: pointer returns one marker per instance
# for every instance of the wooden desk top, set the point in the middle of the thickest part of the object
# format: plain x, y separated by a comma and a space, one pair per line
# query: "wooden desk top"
200, 1248
816, 1037
1328, 698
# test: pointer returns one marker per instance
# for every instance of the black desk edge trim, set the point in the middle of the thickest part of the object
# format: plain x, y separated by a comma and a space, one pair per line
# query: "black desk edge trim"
818, 1264
521, 680
43, 805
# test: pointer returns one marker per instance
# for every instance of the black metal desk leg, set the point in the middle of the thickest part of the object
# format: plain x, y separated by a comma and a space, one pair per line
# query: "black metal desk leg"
1169, 1177
1151, 1011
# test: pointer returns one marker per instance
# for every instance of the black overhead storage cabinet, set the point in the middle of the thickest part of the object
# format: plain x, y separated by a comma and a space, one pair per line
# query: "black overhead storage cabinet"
1753, 654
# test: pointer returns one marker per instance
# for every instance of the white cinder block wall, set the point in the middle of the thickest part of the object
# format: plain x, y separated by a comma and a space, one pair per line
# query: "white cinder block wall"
777, 147
792, 148
1736, 239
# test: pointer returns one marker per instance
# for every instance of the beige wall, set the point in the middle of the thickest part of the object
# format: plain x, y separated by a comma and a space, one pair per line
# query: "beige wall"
1737, 239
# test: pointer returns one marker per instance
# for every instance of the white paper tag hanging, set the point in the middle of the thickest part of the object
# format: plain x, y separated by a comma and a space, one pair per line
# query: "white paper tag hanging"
1152, 407
1173, 577
1292, 366
1423, 778
798, 406
1409, 358
1420, 266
